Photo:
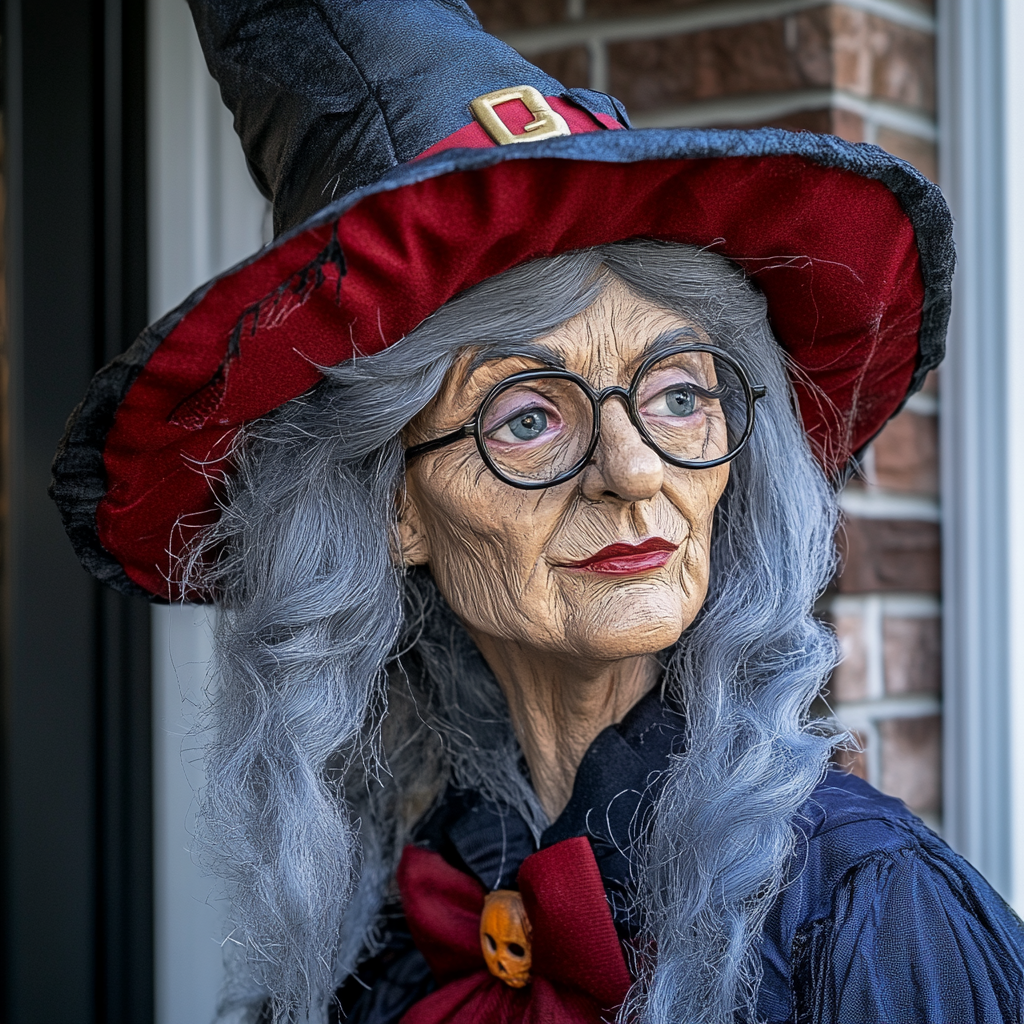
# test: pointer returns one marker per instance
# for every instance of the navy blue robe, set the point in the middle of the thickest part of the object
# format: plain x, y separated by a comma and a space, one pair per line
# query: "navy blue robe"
881, 922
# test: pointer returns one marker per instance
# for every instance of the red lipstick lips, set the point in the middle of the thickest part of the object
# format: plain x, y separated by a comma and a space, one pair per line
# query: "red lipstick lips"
623, 559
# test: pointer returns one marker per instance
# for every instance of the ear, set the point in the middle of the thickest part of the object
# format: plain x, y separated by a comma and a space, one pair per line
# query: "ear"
412, 540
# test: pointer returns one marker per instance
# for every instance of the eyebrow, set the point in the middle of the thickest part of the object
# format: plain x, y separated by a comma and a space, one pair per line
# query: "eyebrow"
523, 349
547, 357
669, 339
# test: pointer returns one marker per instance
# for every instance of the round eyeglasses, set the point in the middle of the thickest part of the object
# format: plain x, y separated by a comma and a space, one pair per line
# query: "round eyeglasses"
694, 405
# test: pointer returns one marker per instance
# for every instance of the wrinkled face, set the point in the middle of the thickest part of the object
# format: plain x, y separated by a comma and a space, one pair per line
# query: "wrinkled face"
520, 565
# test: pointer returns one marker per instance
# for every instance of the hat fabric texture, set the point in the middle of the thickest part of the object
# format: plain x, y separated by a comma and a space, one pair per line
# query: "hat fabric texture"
390, 198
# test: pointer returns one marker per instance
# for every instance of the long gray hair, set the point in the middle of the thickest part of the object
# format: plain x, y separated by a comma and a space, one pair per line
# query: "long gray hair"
325, 752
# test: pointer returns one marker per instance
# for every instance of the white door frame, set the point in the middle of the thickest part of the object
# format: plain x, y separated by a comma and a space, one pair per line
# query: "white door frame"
205, 214
981, 105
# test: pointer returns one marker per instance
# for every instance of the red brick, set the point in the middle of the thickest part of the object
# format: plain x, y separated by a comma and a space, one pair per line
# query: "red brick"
847, 125
904, 65
875, 57
889, 555
922, 154
907, 454
817, 121
852, 51
911, 756
828, 46
822, 121
849, 678
912, 652
570, 65
502, 15
853, 758
741, 59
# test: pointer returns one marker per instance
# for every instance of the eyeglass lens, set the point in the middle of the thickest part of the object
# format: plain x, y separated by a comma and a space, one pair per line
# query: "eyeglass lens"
536, 430
692, 407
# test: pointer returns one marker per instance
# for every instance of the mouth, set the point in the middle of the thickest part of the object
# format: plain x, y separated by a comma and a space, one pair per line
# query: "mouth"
622, 559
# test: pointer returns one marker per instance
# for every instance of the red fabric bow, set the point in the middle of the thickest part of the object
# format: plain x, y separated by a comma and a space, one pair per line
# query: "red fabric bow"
579, 972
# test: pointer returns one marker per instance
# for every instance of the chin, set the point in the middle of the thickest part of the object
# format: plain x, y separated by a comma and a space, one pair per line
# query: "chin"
630, 621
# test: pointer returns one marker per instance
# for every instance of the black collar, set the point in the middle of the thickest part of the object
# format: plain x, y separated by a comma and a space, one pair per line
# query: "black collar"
616, 785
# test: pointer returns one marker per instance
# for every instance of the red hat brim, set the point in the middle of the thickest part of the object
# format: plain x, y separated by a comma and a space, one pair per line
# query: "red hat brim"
854, 259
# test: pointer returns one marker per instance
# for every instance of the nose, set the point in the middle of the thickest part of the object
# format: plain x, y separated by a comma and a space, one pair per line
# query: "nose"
623, 466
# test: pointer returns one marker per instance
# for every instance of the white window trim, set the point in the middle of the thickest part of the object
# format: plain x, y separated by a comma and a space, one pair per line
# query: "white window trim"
981, 100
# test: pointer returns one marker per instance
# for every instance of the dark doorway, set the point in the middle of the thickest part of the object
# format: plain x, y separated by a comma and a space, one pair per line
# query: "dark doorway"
77, 849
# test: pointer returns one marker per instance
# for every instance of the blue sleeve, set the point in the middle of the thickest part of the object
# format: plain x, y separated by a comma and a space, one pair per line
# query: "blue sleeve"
915, 936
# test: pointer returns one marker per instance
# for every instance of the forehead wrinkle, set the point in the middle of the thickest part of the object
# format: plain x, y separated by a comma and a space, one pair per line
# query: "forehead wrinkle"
592, 349
600, 351
604, 355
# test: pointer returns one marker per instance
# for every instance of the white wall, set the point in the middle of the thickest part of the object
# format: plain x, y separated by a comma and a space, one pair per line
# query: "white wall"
204, 215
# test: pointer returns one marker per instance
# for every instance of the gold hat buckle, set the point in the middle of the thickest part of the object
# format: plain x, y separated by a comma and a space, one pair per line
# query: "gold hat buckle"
546, 123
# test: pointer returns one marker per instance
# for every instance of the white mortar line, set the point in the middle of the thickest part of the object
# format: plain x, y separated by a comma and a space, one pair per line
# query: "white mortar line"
870, 130
844, 604
911, 606
907, 15
598, 55
923, 405
575, 9
859, 714
873, 751
874, 655
768, 106
874, 504
867, 467
734, 109
888, 115
740, 12
906, 606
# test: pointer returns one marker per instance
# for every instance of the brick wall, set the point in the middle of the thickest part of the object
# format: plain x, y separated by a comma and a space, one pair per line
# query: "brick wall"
864, 70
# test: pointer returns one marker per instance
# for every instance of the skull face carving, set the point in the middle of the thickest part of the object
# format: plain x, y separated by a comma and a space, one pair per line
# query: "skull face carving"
505, 935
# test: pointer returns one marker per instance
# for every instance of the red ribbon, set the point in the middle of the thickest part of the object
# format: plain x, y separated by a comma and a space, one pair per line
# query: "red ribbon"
579, 971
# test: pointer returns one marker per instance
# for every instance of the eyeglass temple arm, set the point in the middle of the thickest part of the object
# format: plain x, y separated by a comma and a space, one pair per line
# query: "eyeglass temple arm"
466, 430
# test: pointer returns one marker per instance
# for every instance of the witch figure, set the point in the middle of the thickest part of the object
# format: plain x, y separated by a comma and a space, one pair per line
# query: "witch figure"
510, 466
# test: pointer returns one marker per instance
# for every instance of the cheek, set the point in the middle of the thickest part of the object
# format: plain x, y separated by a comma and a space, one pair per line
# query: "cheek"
695, 496
469, 510
487, 542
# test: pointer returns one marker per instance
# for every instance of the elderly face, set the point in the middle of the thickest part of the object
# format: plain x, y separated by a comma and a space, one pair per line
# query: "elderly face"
519, 565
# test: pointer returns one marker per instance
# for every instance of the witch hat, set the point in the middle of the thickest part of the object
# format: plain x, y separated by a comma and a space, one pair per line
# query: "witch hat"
409, 155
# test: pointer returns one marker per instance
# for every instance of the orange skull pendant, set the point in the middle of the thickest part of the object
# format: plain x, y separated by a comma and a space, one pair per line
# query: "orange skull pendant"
505, 935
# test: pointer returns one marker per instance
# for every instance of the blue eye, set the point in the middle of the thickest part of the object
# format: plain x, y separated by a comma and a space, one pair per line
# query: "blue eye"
528, 425
681, 402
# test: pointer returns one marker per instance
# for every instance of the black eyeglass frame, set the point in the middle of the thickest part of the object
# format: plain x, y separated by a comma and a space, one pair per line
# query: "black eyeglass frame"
474, 428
